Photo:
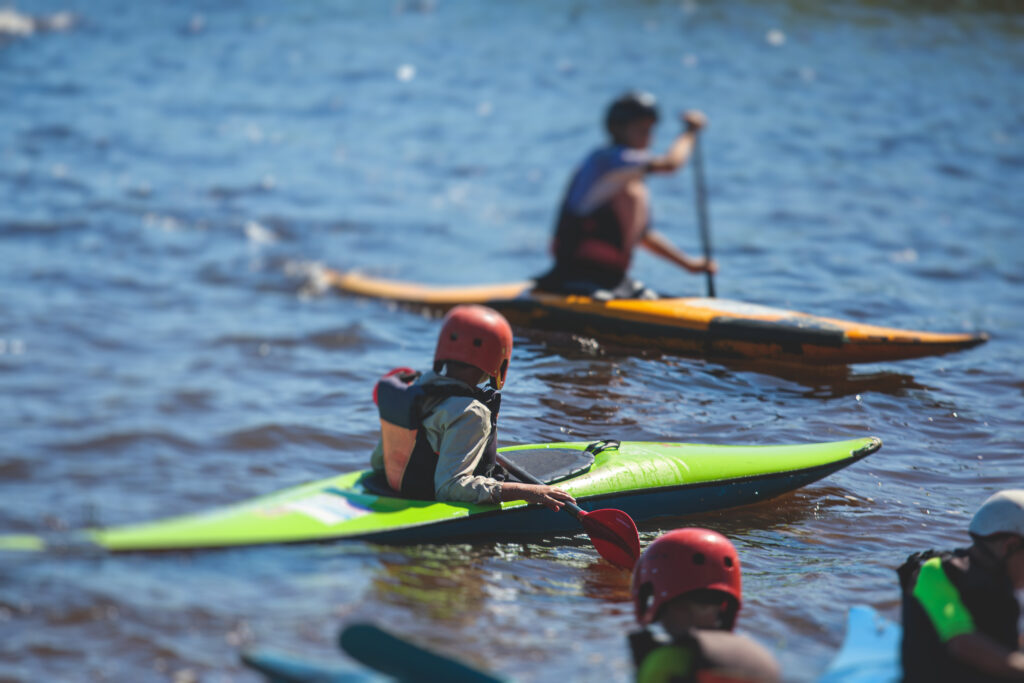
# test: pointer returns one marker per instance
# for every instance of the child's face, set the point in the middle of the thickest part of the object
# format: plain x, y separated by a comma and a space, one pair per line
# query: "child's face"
683, 614
637, 134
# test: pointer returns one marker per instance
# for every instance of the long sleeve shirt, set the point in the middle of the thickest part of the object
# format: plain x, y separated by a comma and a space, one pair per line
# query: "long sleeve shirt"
457, 429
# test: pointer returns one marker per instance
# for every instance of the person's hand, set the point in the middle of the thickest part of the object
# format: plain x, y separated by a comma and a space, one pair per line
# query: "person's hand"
549, 496
702, 265
694, 120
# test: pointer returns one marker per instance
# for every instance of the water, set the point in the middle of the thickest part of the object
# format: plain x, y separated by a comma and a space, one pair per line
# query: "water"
169, 171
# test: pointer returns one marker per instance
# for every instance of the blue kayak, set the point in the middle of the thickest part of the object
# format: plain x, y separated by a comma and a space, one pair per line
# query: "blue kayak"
870, 653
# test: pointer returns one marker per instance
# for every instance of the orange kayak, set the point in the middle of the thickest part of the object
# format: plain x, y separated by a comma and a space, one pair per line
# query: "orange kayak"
697, 326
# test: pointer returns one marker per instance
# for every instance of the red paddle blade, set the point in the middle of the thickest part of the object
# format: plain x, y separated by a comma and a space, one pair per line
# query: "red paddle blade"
614, 534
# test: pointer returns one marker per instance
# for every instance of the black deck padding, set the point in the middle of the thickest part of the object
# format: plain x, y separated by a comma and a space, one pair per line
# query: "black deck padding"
551, 464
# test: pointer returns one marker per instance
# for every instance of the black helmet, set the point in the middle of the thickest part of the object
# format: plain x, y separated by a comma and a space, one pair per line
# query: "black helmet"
628, 108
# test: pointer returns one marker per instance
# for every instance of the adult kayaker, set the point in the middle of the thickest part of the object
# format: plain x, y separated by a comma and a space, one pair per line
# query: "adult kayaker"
606, 213
688, 581
960, 614
439, 428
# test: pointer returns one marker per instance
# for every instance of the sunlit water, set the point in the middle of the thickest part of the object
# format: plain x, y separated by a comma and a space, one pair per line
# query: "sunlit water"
170, 171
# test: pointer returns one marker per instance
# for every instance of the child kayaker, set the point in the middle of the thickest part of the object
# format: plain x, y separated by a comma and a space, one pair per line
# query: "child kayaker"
688, 581
960, 613
606, 213
439, 428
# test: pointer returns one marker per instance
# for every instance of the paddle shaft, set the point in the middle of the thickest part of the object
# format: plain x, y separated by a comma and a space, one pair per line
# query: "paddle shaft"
702, 210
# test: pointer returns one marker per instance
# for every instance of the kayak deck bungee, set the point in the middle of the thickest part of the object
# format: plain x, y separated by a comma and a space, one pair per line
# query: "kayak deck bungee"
698, 326
647, 480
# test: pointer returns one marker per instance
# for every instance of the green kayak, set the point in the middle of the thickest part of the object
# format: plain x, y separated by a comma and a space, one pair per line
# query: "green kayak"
645, 479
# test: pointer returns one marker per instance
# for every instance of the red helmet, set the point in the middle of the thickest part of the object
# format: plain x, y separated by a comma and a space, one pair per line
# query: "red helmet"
478, 336
683, 561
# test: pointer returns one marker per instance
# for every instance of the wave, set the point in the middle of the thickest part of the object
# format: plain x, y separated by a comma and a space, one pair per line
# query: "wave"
275, 436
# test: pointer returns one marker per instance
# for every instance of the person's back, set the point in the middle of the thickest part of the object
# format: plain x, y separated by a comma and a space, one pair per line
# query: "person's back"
439, 429
960, 612
449, 416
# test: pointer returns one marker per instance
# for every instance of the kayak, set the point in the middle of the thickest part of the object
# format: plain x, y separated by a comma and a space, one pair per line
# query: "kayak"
870, 652
696, 326
647, 480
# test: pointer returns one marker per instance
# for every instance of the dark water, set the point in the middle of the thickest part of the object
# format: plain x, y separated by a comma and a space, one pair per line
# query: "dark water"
170, 173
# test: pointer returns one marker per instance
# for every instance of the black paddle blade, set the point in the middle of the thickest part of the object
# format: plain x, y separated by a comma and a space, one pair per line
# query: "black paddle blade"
614, 534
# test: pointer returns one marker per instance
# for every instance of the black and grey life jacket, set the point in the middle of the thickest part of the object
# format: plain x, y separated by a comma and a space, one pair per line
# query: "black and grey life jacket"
409, 459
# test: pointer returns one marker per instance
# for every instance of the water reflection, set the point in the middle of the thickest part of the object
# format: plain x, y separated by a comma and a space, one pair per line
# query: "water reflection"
456, 584
602, 369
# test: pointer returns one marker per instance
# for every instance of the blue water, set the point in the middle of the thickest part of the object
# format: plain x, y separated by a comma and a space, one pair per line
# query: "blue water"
171, 173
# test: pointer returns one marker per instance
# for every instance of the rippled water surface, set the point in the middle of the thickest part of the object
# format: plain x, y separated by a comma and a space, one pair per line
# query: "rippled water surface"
170, 173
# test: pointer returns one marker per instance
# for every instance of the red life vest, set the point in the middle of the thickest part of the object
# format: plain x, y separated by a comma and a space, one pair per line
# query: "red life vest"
596, 240
409, 460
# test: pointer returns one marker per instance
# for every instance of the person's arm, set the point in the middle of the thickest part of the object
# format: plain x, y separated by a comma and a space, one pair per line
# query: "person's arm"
463, 441
610, 184
462, 430
550, 496
658, 244
682, 147
984, 654
735, 657
955, 626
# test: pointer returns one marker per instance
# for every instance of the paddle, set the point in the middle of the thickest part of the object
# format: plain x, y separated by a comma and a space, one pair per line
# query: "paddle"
612, 532
376, 648
702, 210
282, 668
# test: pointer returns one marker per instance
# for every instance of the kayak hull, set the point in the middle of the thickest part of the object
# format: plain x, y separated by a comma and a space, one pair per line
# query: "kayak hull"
645, 506
648, 480
696, 326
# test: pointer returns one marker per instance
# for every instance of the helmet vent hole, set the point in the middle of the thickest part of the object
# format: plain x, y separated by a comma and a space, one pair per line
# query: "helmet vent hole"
728, 561
453, 336
699, 558
478, 342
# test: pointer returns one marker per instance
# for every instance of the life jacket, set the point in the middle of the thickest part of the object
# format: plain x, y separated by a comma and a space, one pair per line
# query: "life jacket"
656, 659
409, 460
596, 240
685, 659
983, 593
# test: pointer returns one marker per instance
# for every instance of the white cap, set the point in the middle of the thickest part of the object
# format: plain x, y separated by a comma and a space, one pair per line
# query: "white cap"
1002, 513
